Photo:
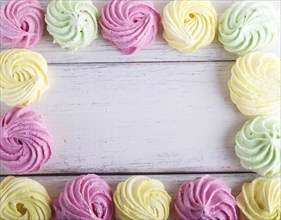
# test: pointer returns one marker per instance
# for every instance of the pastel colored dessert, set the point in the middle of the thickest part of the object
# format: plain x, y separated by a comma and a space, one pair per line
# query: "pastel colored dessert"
129, 25
21, 23
260, 199
248, 26
25, 144
204, 198
73, 24
189, 25
255, 84
23, 77
140, 197
24, 198
86, 197
258, 146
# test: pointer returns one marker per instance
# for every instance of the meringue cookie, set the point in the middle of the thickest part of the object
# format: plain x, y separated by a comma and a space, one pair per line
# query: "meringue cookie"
86, 197
129, 25
204, 198
258, 146
261, 199
255, 84
189, 25
24, 142
73, 24
23, 77
24, 198
141, 197
21, 23
248, 26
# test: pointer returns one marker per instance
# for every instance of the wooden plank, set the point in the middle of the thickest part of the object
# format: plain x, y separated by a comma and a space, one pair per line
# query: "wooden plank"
101, 50
149, 117
55, 184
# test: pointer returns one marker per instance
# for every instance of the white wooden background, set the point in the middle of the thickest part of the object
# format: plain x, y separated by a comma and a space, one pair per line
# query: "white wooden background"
158, 112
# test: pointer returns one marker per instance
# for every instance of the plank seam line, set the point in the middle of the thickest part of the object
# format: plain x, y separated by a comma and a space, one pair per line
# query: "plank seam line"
139, 62
126, 173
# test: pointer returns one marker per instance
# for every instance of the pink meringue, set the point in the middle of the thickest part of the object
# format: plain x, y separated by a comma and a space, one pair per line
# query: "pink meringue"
129, 25
204, 199
86, 197
24, 141
21, 23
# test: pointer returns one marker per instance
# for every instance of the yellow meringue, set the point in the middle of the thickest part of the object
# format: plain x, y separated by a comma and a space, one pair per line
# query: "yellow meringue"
261, 199
23, 77
23, 198
189, 25
255, 84
141, 197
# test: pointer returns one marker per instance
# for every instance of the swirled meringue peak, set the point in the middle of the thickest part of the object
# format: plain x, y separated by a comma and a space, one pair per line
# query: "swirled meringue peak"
204, 198
73, 24
248, 26
24, 142
140, 197
255, 84
258, 146
23, 77
24, 198
189, 25
260, 199
86, 197
21, 23
129, 25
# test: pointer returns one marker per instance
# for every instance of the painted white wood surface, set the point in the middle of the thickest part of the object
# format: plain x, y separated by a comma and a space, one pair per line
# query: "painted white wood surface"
55, 185
101, 50
146, 117
141, 113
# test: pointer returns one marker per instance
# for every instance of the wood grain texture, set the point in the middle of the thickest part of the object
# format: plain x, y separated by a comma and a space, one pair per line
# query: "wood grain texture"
148, 117
101, 50
55, 185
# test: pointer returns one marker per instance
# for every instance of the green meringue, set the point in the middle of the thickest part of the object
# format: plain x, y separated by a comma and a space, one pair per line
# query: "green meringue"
248, 26
258, 145
73, 24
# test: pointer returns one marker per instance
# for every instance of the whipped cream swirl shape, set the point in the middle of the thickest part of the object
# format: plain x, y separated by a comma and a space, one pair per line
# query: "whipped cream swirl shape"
140, 197
258, 146
24, 142
189, 25
129, 25
260, 199
248, 26
23, 77
21, 23
86, 197
204, 198
73, 24
255, 84
23, 198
